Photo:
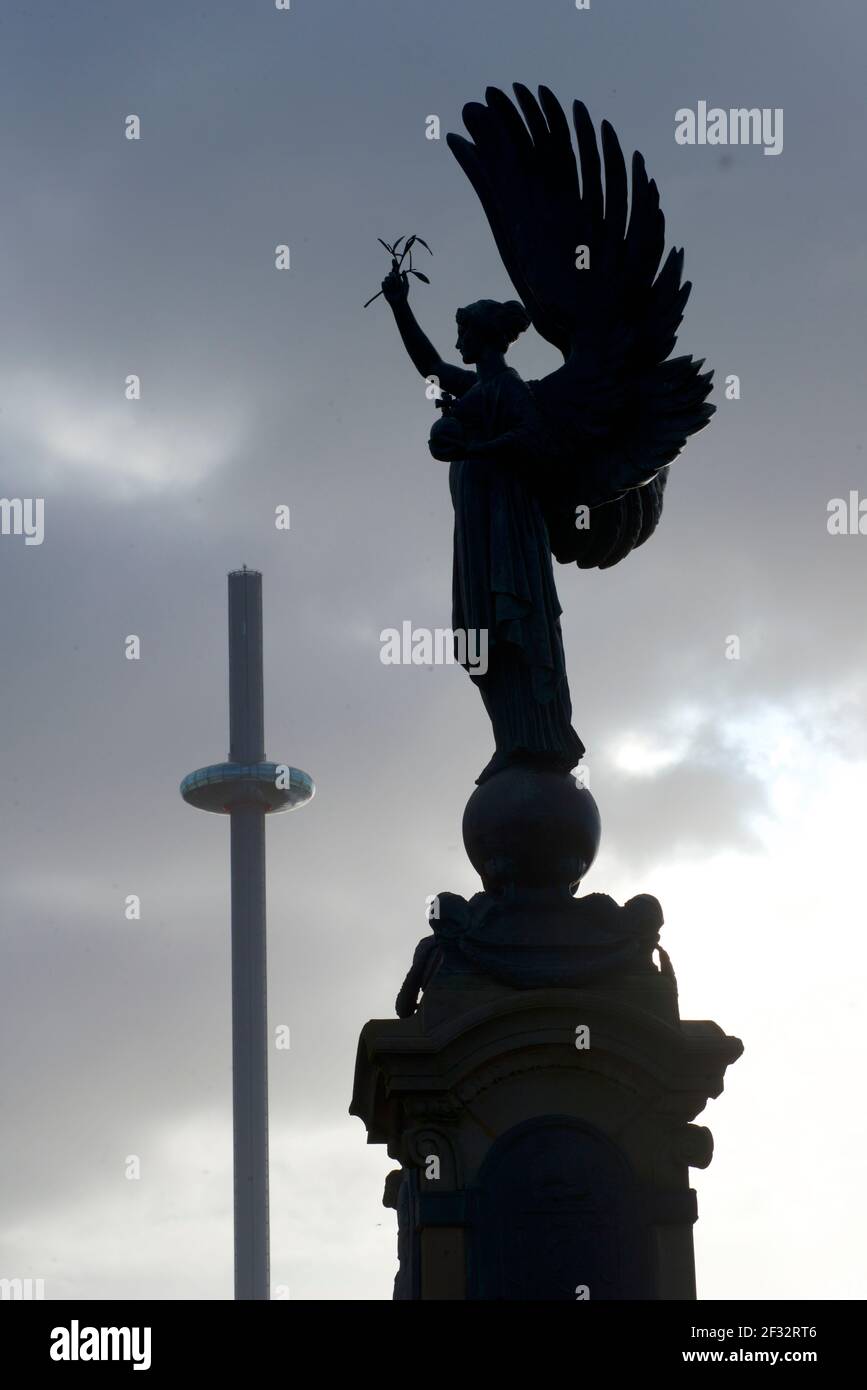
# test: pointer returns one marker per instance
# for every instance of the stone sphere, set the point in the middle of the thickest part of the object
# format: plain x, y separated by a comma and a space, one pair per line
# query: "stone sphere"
531, 829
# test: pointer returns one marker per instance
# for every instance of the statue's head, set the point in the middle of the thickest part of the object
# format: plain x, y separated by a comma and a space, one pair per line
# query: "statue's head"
488, 324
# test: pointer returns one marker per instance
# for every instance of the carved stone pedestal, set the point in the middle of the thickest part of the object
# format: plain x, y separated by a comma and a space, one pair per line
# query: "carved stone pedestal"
544, 1137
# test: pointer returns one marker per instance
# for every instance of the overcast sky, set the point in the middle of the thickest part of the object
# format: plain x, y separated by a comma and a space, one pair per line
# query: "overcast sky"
732, 789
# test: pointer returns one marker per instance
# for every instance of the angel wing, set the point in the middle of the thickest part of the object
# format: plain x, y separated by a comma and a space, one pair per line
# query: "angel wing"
617, 412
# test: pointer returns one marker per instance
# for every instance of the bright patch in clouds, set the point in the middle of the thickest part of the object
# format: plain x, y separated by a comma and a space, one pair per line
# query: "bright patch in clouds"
639, 757
67, 437
643, 754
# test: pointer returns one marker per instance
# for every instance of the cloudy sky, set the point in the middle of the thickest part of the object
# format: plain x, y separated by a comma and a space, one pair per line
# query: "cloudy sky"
732, 789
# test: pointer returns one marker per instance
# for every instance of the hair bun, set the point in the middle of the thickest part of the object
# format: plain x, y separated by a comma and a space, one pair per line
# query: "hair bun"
514, 318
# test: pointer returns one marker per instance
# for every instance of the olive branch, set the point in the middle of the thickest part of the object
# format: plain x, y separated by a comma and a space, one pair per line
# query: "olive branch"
398, 257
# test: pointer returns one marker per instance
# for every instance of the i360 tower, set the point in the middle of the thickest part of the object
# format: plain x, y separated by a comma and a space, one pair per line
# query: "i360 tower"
247, 788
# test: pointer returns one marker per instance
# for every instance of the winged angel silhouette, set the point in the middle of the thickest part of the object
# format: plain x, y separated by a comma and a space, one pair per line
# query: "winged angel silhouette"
574, 464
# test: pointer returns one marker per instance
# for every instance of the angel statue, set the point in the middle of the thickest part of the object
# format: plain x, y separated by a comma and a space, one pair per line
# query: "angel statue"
573, 465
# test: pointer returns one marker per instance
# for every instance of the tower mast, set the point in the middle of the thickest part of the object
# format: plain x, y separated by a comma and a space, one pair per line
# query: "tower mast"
247, 788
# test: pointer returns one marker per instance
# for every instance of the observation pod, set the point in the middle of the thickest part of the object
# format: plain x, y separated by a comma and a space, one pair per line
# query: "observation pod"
224, 787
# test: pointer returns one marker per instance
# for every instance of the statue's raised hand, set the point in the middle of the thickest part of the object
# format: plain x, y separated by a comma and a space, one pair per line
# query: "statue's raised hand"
395, 288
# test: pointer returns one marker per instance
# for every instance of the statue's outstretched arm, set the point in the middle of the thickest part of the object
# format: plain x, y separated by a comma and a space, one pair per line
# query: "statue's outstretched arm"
420, 350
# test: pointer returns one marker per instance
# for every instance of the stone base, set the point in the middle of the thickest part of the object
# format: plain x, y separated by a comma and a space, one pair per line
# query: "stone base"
544, 1137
